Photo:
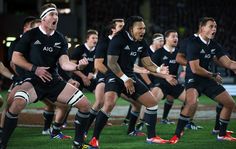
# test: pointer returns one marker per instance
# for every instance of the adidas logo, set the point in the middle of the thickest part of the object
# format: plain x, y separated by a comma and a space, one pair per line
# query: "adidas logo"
202, 51
127, 48
37, 42
165, 58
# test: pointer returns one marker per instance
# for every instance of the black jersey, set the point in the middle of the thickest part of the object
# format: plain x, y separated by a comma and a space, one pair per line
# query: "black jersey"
162, 56
198, 50
81, 52
20, 71
101, 49
127, 50
184, 43
42, 50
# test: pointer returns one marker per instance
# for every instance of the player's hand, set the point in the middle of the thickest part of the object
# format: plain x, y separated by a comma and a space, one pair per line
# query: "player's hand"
91, 76
43, 74
86, 81
142, 70
171, 79
218, 78
82, 63
129, 85
164, 69
74, 83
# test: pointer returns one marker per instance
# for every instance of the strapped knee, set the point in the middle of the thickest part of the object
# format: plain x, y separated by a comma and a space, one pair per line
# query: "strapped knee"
153, 108
22, 95
75, 98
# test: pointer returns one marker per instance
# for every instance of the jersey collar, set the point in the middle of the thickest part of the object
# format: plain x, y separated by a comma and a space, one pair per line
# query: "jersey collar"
152, 49
204, 41
41, 29
168, 50
131, 38
86, 45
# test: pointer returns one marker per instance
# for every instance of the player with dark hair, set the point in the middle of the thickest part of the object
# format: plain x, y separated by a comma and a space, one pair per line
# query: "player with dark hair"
100, 65
123, 50
199, 78
86, 77
38, 52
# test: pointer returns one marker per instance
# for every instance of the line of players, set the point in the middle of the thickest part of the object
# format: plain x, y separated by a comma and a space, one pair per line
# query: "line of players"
109, 72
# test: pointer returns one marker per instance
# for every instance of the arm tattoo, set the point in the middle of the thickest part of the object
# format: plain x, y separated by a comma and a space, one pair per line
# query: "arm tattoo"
148, 64
113, 65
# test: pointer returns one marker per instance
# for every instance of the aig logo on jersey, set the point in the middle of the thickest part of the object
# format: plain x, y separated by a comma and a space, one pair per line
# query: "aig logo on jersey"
48, 49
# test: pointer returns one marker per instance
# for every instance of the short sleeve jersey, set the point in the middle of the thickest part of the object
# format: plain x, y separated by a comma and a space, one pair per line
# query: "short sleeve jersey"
162, 56
101, 49
183, 44
42, 50
197, 50
81, 52
128, 51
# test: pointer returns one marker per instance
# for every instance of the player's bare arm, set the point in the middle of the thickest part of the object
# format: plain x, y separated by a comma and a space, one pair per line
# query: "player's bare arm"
115, 68
99, 66
5, 71
181, 59
19, 60
226, 62
152, 67
197, 69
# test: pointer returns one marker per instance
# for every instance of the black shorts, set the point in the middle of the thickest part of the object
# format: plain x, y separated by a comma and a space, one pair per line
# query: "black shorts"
208, 87
90, 88
115, 84
100, 78
167, 89
49, 91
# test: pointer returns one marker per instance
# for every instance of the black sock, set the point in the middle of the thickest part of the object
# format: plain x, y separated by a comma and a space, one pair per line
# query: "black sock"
56, 128
150, 117
128, 113
66, 116
183, 120
223, 126
132, 121
1, 133
217, 121
10, 124
101, 121
92, 116
81, 121
167, 106
48, 117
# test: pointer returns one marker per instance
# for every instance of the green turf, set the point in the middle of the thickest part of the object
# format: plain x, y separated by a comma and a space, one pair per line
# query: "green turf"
114, 138
202, 100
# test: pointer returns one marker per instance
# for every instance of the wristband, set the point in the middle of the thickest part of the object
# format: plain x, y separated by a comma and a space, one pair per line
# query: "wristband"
33, 69
124, 78
213, 75
158, 69
77, 67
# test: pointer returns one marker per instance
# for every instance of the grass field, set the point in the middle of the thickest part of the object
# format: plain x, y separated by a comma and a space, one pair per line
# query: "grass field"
114, 138
202, 100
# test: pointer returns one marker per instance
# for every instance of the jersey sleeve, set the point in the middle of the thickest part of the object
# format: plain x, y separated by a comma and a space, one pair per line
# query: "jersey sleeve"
219, 51
64, 47
183, 46
115, 46
145, 50
192, 51
101, 48
23, 45
76, 53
